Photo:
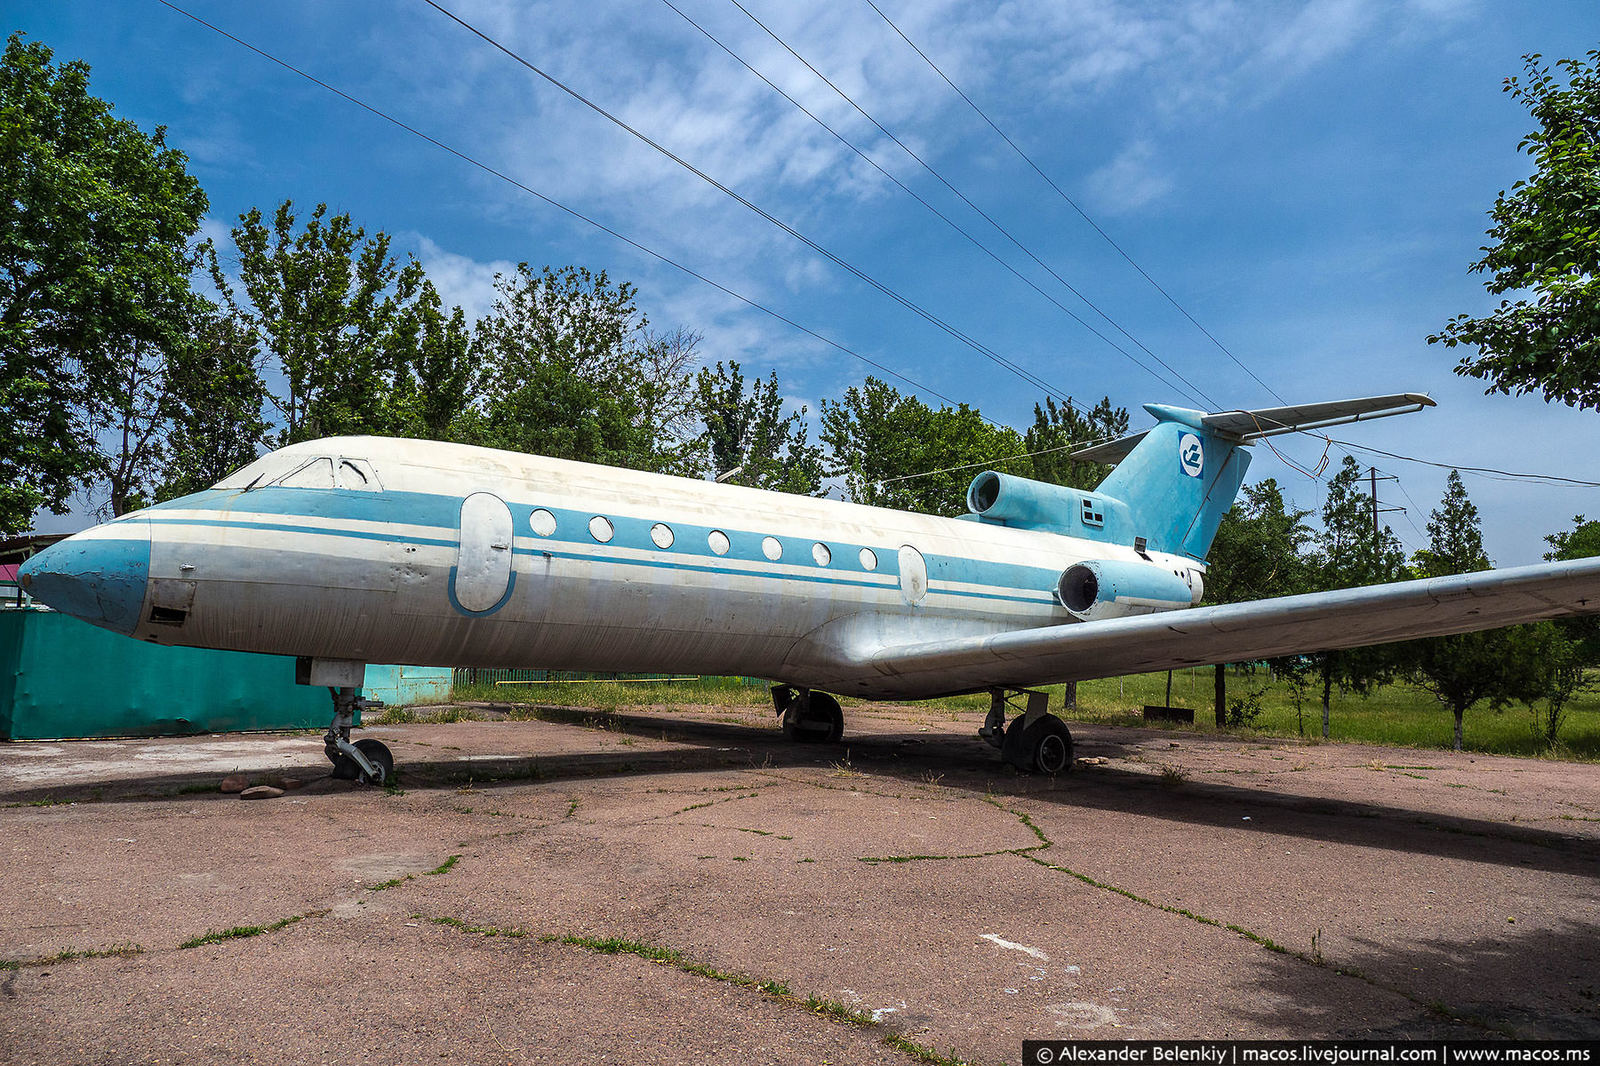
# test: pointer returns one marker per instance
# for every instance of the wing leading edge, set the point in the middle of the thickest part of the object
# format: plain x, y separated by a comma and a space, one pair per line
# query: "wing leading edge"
1322, 621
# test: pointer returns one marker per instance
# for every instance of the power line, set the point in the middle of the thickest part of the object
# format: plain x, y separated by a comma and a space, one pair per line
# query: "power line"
1481, 471
486, 168
1198, 391
1073, 203
909, 305
921, 200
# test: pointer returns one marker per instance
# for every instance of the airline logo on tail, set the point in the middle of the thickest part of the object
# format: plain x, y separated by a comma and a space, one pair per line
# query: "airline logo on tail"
1191, 455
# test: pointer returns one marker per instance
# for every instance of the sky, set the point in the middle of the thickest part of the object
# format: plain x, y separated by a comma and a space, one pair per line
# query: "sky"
1308, 181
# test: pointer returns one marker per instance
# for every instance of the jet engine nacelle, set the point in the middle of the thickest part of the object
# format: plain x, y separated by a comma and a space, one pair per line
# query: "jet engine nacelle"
1103, 588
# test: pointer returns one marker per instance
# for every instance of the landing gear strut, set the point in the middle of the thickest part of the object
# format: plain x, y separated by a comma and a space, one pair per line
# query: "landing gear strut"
1034, 741
809, 717
367, 761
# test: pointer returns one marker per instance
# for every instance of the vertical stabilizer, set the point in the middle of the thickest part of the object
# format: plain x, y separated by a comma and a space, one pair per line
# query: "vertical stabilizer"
1178, 481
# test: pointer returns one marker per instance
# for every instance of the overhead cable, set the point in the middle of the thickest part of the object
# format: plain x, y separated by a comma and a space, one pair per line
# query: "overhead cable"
903, 301
1074, 204
487, 169
1197, 390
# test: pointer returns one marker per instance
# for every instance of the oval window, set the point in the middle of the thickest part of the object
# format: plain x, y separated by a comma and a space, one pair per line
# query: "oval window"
771, 548
869, 559
600, 529
543, 522
718, 540
661, 533
821, 554
913, 575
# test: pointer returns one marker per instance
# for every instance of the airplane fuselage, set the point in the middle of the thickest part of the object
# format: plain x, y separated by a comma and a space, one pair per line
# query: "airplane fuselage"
436, 554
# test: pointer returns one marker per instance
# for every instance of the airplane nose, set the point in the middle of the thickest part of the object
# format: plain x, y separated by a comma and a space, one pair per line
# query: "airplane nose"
98, 575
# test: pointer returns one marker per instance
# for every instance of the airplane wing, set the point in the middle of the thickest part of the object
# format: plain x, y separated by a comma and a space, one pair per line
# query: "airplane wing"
1321, 621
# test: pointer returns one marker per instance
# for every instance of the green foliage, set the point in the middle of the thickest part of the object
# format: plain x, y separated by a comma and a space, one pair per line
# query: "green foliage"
218, 395
329, 306
1244, 712
1259, 551
1058, 430
750, 433
1546, 238
1497, 665
95, 222
1350, 551
896, 451
571, 371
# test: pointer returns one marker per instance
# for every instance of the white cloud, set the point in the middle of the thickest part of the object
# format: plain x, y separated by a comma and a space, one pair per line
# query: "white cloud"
1130, 181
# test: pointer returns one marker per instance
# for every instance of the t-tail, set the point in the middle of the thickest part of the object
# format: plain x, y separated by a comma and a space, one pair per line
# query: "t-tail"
1173, 482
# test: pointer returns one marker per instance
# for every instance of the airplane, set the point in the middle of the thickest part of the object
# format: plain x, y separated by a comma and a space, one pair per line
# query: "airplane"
354, 550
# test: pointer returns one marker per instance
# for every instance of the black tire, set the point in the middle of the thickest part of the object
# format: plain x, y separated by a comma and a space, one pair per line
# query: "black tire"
813, 719
378, 754
1049, 743
1014, 749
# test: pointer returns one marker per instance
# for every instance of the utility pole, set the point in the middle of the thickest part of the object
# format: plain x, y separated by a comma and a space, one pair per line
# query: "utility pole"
1372, 482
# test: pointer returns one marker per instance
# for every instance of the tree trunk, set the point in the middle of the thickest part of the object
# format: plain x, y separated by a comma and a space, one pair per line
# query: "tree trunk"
1327, 696
1458, 711
1220, 688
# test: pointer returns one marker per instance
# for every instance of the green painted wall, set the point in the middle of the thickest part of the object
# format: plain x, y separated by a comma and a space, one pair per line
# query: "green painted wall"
60, 677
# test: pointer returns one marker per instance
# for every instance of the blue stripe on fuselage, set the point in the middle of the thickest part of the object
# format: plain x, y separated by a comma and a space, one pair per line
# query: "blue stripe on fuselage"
443, 513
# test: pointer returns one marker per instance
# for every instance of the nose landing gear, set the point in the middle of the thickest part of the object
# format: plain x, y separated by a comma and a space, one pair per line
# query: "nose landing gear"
367, 761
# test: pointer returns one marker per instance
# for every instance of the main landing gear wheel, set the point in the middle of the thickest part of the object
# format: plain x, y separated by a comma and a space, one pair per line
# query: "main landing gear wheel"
377, 753
809, 717
1044, 747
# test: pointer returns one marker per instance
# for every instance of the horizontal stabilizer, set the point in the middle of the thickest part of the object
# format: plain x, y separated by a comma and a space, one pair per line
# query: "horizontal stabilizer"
1246, 426
1243, 632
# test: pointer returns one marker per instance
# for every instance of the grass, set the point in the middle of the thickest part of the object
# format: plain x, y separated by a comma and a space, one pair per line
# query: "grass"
241, 931
1396, 715
115, 951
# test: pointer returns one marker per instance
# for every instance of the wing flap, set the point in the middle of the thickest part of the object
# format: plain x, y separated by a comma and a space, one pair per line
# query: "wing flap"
1346, 618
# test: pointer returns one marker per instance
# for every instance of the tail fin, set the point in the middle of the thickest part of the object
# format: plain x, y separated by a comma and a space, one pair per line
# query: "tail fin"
1178, 479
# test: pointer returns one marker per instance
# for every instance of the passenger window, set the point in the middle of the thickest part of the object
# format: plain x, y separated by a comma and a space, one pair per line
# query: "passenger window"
771, 548
600, 529
869, 559
542, 522
821, 554
317, 474
661, 534
717, 540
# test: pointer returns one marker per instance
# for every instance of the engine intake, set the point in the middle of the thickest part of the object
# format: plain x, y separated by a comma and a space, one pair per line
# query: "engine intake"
1105, 588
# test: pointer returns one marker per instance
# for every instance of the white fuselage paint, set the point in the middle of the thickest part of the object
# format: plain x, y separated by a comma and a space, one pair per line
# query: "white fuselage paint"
445, 564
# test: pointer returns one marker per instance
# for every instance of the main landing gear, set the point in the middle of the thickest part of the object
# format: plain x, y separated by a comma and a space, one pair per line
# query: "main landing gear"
367, 761
1034, 741
809, 717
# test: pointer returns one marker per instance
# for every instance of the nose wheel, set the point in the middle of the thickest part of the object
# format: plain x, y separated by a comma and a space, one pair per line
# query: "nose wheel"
368, 761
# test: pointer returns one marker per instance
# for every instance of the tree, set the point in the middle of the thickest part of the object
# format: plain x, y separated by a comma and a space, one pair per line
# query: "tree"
571, 370
1351, 551
1573, 649
748, 432
217, 419
896, 451
1058, 429
328, 305
1546, 238
1498, 665
1258, 553
437, 379
96, 218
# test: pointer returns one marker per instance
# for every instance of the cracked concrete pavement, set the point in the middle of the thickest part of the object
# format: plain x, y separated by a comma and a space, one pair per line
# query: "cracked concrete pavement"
686, 886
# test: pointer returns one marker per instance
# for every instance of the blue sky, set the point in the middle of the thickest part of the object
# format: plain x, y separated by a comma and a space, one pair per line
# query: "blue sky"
1309, 180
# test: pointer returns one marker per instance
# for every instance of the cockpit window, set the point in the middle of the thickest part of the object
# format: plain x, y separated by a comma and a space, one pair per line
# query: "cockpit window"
358, 474
317, 474
254, 475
